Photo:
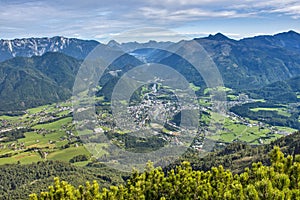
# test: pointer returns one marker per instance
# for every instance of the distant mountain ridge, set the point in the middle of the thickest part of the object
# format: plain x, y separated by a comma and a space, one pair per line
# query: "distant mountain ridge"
257, 61
37, 71
78, 48
289, 40
129, 46
28, 47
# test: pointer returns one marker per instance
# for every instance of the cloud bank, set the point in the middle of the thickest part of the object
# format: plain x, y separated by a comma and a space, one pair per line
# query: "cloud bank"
95, 19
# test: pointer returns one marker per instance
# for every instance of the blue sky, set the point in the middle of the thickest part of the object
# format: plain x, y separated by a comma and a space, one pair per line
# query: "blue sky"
103, 20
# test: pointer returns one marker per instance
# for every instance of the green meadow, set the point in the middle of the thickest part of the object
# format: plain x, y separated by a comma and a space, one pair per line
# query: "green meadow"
281, 111
56, 125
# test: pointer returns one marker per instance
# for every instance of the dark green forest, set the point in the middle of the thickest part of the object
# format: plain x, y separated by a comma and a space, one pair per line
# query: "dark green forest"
269, 117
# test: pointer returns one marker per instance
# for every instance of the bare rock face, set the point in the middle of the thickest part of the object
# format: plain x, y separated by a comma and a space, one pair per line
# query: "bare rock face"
28, 47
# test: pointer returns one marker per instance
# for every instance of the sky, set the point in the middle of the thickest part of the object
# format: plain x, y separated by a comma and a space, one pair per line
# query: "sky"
104, 20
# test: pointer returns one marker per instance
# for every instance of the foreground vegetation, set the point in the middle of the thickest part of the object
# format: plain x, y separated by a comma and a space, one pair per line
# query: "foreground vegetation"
281, 180
18, 181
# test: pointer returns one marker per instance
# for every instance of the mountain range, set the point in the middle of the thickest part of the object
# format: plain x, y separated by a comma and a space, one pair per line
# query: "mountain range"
28, 47
257, 61
36, 71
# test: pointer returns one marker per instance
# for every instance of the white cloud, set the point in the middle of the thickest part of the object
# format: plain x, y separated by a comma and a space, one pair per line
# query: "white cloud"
293, 11
285, 7
168, 16
97, 19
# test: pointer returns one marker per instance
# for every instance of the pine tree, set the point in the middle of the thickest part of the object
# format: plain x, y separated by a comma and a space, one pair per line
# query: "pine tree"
280, 180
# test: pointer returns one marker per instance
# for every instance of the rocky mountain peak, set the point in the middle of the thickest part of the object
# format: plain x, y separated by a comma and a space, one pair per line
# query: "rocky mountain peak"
27, 47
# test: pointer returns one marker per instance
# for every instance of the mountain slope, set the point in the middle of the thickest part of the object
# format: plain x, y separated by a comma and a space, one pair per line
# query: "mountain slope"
280, 91
238, 156
288, 40
28, 82
28, 47
254, 62
246, 65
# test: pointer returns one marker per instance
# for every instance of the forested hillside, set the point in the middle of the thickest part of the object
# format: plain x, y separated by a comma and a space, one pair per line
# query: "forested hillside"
280, 180
18, 181
31, 82
238, 156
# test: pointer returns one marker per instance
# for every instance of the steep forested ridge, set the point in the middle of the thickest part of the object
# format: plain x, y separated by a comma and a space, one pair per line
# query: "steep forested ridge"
30, 82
